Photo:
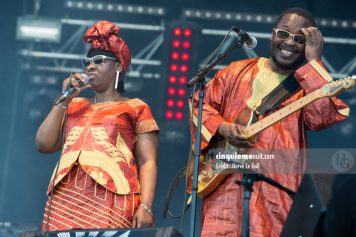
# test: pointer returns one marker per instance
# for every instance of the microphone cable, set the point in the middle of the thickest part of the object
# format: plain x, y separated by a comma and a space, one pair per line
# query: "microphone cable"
58, 164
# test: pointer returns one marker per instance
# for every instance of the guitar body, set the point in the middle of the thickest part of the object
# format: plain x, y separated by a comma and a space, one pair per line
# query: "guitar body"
209, 175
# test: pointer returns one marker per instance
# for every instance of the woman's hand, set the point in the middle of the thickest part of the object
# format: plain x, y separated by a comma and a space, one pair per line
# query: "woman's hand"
142, 218
75, 81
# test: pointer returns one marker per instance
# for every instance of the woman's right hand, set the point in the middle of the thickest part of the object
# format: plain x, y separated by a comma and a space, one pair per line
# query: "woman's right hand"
76, 81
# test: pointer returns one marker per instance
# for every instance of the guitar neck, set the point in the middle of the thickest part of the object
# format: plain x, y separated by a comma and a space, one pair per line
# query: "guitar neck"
282, 113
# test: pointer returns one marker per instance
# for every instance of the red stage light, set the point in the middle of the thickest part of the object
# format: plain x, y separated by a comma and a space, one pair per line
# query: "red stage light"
170, 103
182, 80
179, 115
175, 55
176, 43
183, 68
181, 91
186, 44
187, 32
173, 79
185, 56
180, 103
174, 67
171, 91
169, 115
177, 31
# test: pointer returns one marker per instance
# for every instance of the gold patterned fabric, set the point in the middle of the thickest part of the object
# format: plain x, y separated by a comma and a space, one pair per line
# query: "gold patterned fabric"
265, 82
79, 202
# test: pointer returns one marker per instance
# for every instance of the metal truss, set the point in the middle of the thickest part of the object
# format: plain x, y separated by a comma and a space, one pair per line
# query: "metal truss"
59, 58
258, 18
144, 58
113, 7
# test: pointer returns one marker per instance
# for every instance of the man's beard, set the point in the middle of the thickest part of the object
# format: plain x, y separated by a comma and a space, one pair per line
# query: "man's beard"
283, 64
289, 66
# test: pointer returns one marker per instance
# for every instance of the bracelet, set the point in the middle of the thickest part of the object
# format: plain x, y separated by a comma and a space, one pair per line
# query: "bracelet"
147, 209
57, 101
62, 106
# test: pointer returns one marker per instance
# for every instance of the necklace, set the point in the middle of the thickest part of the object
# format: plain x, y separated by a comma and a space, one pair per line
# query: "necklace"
112, 99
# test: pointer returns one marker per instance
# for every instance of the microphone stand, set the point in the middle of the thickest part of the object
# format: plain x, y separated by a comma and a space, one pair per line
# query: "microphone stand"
200, 80
248, 180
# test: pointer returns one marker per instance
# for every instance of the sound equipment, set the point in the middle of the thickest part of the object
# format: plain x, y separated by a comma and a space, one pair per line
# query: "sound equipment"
8, 229
137, 232
309, 206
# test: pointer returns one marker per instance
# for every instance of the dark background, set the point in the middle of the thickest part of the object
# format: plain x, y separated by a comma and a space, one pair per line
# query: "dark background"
24, 173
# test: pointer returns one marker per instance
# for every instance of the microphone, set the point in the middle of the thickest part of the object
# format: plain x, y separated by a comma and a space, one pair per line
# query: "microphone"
250, 42
230, 42
66, 94
231, 39
234, 38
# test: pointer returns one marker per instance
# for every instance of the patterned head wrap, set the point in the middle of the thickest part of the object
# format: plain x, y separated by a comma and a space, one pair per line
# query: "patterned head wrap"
103, 35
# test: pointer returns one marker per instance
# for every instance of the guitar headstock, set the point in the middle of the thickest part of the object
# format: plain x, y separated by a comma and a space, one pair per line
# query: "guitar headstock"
336, 87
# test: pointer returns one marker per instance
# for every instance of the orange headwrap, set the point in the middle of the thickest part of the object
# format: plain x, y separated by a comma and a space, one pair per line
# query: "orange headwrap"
104, 36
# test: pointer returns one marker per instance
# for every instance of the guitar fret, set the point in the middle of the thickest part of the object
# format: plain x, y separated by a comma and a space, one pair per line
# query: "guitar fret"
282, 113
332, 88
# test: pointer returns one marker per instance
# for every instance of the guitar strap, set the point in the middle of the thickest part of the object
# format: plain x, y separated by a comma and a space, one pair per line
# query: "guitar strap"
278, 95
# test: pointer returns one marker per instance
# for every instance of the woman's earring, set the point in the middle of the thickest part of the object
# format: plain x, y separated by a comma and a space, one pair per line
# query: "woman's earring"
117, 78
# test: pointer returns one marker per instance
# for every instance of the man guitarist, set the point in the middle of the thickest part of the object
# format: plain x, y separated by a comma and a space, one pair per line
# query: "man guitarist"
295, 54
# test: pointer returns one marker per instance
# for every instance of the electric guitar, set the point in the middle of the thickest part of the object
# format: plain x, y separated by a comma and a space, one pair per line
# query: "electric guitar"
209, 177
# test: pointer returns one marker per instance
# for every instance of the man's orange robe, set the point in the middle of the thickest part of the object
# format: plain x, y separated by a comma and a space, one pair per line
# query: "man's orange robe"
225, 98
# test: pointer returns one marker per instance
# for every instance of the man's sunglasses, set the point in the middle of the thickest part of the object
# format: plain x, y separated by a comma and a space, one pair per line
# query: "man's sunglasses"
96, 60
283, 34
